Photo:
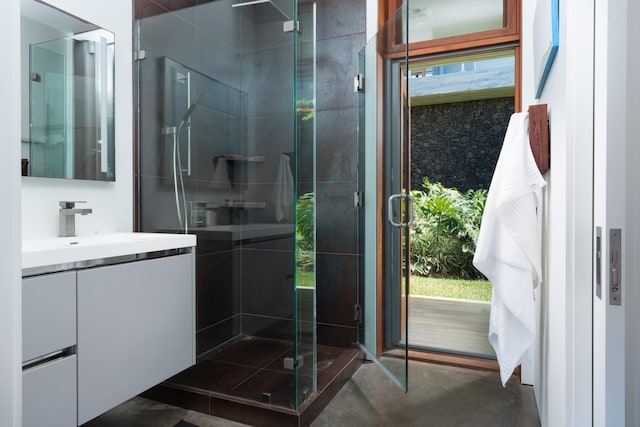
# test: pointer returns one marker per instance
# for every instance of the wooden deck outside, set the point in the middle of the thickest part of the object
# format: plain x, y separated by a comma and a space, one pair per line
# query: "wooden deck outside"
449, 325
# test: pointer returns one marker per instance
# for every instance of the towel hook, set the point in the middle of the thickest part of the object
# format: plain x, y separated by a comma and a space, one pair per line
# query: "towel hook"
539, 136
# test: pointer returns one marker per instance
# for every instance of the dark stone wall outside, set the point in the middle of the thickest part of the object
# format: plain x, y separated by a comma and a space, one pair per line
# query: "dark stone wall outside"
458, 144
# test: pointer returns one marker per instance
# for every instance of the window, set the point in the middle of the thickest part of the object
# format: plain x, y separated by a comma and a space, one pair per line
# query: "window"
448, 25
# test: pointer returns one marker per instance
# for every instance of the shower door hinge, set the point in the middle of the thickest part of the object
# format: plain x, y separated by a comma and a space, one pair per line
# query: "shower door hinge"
290, 26
168, 130
358, 82
357, 313
139, 55
358, 199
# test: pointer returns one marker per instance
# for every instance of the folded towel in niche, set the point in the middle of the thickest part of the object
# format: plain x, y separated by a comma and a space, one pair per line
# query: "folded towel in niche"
220, 178
508, 247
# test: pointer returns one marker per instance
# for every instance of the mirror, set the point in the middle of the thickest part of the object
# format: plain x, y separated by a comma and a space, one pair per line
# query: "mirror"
68, 80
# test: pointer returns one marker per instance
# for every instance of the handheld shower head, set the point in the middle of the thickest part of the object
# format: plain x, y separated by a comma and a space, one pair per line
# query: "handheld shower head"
191, 108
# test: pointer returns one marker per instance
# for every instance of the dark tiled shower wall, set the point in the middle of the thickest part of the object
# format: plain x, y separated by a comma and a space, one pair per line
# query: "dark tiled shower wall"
340, 37
218, 309
231, 277
243, 288
267, 289
266, 267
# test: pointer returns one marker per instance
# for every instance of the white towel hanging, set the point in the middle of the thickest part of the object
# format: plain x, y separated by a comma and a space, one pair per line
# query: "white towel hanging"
283, 192
508, 247
220, 177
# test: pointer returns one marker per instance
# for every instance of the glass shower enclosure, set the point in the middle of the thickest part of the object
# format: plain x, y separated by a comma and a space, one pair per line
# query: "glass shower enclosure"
226, 151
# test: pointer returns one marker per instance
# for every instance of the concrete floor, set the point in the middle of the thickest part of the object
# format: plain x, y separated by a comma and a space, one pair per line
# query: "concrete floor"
438, 395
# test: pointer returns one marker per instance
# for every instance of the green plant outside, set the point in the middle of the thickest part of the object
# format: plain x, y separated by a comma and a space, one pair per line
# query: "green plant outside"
305, 221
443, 235
305, 237
444, 231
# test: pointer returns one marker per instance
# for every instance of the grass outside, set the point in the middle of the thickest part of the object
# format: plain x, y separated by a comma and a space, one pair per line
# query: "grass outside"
479, 290
304, 278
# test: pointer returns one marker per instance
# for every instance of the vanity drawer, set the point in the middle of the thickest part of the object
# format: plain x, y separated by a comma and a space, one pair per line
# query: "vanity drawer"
48, 314
49, 396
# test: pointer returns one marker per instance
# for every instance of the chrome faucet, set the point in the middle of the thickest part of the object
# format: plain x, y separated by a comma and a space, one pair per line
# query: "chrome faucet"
67, 217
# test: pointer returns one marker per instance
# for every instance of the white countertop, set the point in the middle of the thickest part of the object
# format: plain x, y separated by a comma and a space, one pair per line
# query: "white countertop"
64, 250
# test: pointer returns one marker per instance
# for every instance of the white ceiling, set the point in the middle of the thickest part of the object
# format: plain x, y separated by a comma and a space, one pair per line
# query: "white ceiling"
52, 17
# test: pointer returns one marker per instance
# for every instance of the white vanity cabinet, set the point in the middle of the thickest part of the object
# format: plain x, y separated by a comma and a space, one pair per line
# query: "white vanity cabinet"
48, 346
136, 328
105, 317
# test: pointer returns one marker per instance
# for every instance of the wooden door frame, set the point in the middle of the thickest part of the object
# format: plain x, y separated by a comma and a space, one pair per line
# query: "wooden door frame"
510, 34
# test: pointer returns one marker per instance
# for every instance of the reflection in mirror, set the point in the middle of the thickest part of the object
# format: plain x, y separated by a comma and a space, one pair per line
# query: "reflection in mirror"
68, 123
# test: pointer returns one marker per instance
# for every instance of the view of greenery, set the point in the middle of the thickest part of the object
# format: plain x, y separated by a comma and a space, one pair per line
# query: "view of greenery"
443, 235
305, 278
444, 231
479, 290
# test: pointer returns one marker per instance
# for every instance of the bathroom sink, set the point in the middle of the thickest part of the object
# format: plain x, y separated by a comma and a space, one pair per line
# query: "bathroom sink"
64, 250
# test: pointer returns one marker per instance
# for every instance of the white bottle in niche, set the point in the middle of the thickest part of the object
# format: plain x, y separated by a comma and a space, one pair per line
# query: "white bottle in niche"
212, 217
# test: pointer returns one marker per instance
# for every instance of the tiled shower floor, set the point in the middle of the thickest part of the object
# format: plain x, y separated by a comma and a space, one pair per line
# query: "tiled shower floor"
248, 382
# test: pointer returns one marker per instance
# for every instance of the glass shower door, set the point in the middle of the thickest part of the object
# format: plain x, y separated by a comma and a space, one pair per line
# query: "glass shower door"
305, 337
382, 98
226, 98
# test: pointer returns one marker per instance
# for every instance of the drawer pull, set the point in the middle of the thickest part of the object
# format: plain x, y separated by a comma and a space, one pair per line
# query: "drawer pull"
41, 360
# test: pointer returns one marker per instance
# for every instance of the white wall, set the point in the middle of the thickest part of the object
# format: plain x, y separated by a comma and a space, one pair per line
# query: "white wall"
112, 202
633, 220
10, 295
610, 139
593, 97
563, 350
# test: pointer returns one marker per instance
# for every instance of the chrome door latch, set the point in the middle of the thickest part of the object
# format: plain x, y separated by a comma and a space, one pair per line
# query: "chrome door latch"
615, 266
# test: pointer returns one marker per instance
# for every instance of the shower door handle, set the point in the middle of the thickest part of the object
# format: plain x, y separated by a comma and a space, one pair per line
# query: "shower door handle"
408, 204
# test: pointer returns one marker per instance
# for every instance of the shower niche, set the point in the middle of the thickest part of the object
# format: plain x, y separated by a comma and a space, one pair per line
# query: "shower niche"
238, 168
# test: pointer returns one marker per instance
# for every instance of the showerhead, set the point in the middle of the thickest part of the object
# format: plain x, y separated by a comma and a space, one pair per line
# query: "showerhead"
191, 108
